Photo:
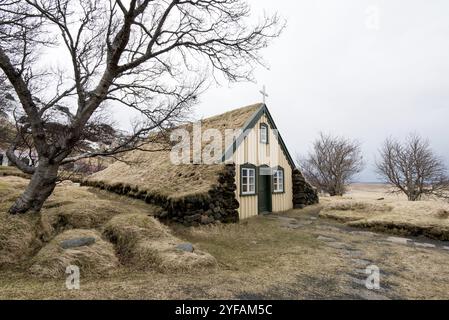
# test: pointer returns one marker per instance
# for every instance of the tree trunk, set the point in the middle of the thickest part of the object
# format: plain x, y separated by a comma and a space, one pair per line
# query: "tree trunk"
41, 186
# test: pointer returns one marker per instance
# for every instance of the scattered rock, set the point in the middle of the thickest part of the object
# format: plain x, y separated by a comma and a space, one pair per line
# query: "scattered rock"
287, 220
77, 242
446, 248
399, 240
425, 245
187, 247
291, 226
354, 254
337, 245
361, 262
364, 233
97, 259
326, 239
328, 228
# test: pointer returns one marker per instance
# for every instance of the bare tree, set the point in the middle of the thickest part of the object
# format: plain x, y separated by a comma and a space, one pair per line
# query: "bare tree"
151, 56
332, 163
5, 97
412, 168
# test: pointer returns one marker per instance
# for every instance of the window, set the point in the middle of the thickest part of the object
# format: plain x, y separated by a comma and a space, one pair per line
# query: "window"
263, 133
248, 181
278, 180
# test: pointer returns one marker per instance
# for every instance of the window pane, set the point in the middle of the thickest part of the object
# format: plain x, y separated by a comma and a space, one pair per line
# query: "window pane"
263, 134
281, 180
248, 180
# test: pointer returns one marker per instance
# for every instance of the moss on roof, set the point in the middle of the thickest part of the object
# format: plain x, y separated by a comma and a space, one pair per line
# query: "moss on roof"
154, 173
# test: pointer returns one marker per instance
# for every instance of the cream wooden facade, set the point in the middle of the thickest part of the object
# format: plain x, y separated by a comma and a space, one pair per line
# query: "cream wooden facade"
253, 151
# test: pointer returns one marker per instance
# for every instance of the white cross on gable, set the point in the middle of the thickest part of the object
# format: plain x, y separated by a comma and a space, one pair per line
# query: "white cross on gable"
264, 93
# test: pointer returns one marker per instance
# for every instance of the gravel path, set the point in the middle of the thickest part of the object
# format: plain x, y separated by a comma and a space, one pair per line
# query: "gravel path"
351, 246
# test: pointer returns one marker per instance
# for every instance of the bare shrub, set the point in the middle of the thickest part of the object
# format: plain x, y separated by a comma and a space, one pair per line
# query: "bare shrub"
413, 168
332, 163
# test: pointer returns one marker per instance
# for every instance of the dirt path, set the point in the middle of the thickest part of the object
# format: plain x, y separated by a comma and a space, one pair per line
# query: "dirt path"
365, 252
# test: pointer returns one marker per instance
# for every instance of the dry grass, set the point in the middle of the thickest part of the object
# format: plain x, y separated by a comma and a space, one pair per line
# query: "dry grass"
154, 173
144, 243
72, 207
69, 207
251, 244
361, 207
17, 239
20, 236
12, 171
97, 259
257, 259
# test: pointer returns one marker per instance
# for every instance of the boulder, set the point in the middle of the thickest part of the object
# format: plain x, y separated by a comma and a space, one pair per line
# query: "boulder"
77, 242
187, 247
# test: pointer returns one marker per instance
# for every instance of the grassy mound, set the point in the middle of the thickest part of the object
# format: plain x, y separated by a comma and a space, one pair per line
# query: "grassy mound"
17, 238
357, 206
72, 207
428, 218
347, 211
89, 214
144, 243
10, 189
20, 236
96, 259
430, 230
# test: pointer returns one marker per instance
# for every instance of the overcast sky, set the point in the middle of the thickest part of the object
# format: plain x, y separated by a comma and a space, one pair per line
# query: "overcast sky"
338, 70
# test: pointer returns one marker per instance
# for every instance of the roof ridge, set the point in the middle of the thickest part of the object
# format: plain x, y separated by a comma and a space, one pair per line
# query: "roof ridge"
260, 105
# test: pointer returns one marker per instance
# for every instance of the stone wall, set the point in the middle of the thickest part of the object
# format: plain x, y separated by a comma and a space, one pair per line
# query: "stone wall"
219, 204
303, 193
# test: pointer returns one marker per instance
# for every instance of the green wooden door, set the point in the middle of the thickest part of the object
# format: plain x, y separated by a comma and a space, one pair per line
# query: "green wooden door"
264, 194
